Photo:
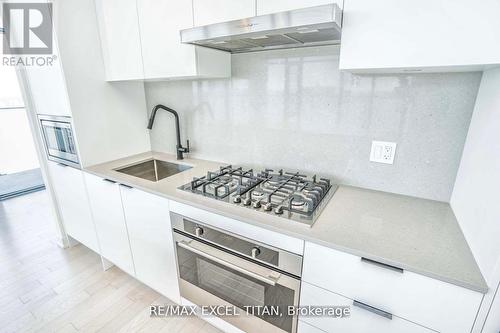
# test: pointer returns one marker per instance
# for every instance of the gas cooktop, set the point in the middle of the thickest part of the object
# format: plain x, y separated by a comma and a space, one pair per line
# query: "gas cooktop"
286, 194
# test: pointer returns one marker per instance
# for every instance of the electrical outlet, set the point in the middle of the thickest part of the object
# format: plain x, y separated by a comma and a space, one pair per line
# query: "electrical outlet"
383, 152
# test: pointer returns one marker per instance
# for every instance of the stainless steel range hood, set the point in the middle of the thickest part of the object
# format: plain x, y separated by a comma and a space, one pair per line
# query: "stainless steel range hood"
319, 25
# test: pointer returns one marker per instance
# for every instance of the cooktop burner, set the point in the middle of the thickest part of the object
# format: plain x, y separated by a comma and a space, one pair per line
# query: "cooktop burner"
290, 195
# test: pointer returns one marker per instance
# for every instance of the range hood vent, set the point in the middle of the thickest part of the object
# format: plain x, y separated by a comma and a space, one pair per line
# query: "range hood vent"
319, 25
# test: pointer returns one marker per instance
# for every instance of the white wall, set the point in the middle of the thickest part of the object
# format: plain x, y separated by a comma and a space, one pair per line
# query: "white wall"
476, 195
294, 109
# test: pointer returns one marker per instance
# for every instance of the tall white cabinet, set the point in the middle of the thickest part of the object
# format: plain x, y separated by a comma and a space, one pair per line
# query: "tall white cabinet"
419, 36
51, 99
475, 196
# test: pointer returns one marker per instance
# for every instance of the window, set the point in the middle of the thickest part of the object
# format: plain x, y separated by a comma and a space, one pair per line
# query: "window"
10, 94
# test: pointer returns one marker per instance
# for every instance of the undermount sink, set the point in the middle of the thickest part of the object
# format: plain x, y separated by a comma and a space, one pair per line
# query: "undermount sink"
153, 169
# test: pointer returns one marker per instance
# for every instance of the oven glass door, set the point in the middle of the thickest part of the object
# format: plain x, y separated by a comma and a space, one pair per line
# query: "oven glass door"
59, 141
231, 279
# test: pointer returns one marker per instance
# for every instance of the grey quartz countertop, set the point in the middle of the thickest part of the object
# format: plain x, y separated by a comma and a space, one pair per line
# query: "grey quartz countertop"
418, 235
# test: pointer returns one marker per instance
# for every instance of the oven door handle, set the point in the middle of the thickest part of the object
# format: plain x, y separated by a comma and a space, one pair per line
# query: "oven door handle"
269, 280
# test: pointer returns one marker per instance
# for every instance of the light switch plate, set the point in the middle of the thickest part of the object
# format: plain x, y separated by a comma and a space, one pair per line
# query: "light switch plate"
383, 152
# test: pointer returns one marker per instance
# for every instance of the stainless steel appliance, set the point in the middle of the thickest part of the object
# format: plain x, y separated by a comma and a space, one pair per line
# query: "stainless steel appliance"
313, 26
59, 140
217, 267
290, 195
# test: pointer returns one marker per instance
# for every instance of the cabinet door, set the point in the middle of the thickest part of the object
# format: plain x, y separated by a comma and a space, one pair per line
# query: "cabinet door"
274, 6
214, 11
106, 205
163, 53
120, 39
73, 203
426, 35
47, 85
151, 241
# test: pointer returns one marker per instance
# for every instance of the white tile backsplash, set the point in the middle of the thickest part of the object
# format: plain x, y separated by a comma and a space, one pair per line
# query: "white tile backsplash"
294, 109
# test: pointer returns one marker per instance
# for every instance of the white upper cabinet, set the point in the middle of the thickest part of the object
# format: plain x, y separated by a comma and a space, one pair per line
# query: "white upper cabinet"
274, 6
214, 11
141, 41
164, 55
120, 39
426, 35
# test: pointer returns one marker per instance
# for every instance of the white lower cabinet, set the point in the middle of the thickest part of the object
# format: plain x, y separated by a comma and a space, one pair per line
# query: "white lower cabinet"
360, 319
417, 298
148, 222
107, 210
73, 203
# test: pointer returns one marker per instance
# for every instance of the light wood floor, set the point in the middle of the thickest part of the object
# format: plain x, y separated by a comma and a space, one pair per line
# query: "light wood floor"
44, 288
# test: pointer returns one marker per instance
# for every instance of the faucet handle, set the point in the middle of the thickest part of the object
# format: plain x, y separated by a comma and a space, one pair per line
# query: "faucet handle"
187, 148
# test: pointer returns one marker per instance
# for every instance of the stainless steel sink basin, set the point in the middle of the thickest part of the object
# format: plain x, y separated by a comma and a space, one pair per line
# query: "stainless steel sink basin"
153, 170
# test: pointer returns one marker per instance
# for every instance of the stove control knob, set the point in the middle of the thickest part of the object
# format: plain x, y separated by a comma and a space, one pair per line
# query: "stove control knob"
198, 231
237, 199
247, 201
255, 252
268, 206
278, 210
256, 204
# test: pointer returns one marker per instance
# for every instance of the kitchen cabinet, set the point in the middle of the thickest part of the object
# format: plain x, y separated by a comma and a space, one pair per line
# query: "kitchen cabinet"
215, 11
417, 298
47, 87
150, 234
164, 55
73, 203
360, 319
419, 36
140, 40
274, 6
120, 39
107, 210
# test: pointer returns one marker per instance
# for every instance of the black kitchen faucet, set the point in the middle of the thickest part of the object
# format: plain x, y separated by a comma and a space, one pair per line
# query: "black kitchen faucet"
180, 150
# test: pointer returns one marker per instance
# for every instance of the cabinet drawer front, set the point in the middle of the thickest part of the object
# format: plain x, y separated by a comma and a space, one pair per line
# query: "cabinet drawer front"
408, 295
360, 320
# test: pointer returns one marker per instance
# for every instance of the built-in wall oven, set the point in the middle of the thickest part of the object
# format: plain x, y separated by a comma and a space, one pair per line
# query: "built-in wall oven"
218, 268
59, 140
